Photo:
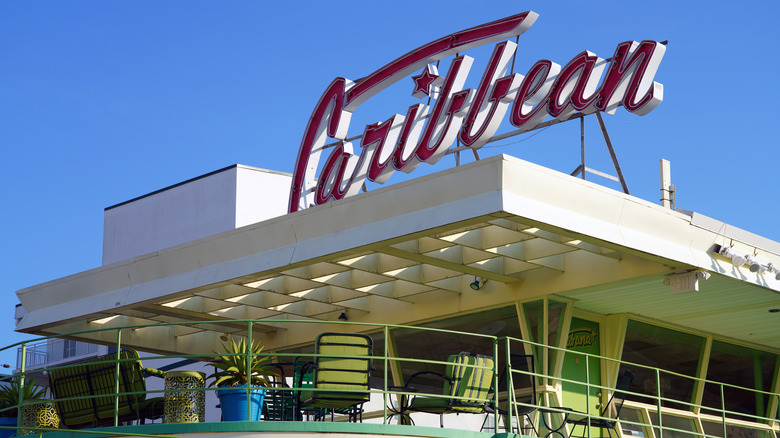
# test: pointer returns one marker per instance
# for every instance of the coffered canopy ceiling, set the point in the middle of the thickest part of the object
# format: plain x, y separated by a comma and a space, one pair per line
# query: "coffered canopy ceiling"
410, 252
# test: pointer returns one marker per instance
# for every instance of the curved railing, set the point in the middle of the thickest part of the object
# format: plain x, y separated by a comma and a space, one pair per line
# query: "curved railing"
388, 394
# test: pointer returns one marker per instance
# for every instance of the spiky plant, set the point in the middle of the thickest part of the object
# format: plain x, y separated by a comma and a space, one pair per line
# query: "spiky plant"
234, 369
9, 395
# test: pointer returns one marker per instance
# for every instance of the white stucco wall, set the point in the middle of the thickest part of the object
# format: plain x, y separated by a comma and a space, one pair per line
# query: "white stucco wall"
260, 194
223, 200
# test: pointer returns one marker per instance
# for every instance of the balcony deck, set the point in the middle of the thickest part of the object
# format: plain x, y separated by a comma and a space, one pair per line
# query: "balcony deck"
555, 392
291, 429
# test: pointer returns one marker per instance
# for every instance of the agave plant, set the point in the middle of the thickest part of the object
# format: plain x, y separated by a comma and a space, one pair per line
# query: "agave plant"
234, 369
9, 395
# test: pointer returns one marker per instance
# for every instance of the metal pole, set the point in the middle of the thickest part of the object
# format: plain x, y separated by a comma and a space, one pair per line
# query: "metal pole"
387, 365
495, 383
21, 390
722, 409
249, 346
666, 184
587, 391
612, 153
510, 392
116, 376
658, 403
582, 145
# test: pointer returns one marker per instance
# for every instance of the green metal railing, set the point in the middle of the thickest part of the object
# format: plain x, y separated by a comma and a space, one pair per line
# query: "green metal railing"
763, 425
382, 392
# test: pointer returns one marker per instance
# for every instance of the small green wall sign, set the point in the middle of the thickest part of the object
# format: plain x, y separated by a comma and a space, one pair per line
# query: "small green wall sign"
582, 337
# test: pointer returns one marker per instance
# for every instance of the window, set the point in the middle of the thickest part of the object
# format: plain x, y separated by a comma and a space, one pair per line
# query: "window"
683, 427
716, 429
739, 366
631, 423
534, 314
669, 350
438, 346
69, 348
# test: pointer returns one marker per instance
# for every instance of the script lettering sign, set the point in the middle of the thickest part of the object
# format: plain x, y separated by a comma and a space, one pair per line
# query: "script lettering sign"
585, 84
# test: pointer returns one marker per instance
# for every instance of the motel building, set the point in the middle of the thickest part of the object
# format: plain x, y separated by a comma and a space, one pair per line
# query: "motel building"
494, 297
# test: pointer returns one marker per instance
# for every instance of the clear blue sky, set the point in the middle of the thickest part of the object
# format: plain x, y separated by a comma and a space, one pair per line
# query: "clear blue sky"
102, 101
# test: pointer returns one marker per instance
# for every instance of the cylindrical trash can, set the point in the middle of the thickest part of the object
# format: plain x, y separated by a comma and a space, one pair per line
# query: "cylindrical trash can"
181, 405
42, 415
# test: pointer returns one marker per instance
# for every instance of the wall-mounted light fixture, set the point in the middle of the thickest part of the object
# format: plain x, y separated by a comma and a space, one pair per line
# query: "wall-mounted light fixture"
478, 283
736, 259
755, 265
774, 270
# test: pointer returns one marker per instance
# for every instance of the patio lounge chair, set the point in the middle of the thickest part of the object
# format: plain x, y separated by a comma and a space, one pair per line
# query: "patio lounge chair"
466, 384
342, 363
85, 393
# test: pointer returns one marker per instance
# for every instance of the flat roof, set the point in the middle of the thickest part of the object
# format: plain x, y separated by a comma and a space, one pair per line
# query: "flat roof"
206, 175
407, 252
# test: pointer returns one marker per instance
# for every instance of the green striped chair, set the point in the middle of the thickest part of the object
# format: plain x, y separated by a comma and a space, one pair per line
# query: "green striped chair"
85, 393
467, 382
343, 363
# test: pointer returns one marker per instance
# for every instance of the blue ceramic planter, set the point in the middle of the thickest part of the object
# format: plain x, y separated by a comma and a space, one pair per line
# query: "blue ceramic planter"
233, 402
7, 421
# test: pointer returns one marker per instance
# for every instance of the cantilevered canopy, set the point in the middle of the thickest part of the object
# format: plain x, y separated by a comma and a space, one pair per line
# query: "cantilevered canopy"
409, 252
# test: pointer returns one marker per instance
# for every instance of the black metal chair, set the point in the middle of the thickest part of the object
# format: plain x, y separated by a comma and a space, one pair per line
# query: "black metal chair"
279, 403
610, 413
522, 377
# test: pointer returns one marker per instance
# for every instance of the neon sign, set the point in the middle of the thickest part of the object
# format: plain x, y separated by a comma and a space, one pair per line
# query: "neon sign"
426, 132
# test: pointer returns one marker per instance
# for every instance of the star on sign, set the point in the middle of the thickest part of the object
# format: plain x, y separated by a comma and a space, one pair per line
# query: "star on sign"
427, 82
